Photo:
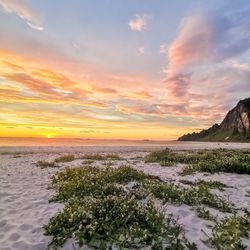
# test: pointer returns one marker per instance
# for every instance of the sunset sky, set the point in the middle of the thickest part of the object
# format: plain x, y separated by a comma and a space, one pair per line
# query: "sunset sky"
131, 69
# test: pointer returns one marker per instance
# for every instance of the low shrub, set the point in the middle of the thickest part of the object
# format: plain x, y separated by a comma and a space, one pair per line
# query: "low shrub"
102, 212
65, 158
172, 193
46, 164
99, 157
209, 184
212, 161
204, 213
115, 221
227, 233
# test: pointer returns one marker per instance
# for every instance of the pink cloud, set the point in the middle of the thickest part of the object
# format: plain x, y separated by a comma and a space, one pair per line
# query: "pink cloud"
23, 11
139, 23
192, 45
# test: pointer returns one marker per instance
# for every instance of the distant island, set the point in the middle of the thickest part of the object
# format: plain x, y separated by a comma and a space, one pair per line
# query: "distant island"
235, 126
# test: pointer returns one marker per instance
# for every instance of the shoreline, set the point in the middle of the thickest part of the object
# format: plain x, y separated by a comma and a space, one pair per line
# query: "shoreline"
178, 146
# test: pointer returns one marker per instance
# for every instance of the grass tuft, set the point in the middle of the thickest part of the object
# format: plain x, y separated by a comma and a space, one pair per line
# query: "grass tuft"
65, 158
46, 164
100, 157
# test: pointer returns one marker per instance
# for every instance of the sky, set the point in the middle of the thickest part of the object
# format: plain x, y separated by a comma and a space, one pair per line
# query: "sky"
134, 69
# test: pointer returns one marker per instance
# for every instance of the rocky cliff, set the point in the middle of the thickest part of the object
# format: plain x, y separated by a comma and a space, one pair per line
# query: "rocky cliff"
234, 127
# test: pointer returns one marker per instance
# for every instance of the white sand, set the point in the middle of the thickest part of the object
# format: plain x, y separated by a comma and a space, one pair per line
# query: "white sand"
24, 206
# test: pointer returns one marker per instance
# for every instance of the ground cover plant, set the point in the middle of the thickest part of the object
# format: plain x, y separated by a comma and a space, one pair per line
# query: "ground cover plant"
115, 221
101, 209
239, 164
46, 164
86, 190
192, 196
212, 161
204, 213
209, 184
101, 157
65, 158
227, 233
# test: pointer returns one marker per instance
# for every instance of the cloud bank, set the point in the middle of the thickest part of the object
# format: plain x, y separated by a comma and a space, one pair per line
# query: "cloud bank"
200, 59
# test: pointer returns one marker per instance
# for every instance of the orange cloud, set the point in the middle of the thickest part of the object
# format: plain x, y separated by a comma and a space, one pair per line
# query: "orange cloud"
104, 90
56, 78
159, 110
138, 95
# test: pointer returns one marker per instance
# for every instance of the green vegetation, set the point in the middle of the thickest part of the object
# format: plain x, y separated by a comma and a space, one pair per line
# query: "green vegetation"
209, 184
99, 157
172, 193
113, 157
46, 164
240, 164
227, 233
212, 161
120, 221
204, 213
87, 162
108, 207
94, 157
102, 212
81, 182
65, 158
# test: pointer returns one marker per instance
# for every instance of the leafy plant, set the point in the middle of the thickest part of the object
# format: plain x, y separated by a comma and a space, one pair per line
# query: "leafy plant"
193, 196
120, 221
46, 164
227, 233
219, 160
204, 213
65, 158
209, 184
99, 157
102, 212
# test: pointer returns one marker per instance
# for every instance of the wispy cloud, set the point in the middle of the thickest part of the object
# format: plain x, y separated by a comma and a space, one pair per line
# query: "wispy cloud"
140, 51
139, 23
24, 12
163, 49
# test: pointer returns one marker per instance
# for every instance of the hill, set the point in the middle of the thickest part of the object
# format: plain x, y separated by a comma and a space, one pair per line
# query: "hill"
234, 127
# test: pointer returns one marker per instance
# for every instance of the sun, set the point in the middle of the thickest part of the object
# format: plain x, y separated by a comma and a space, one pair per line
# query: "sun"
49, 136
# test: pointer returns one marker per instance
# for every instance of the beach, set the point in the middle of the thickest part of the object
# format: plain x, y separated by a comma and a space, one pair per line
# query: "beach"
24, 192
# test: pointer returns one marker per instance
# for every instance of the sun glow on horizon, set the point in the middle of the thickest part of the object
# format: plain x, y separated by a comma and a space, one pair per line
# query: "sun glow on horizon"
133, 76
49, 135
